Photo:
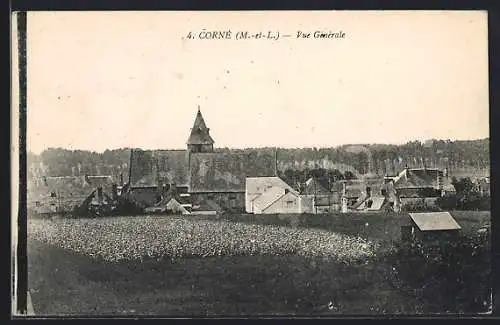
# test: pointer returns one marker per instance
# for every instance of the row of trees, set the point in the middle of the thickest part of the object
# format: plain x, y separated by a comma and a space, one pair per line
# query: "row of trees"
468, 197
378, 157
292, 176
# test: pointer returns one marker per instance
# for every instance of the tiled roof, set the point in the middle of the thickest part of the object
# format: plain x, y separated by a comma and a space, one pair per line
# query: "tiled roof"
434, 221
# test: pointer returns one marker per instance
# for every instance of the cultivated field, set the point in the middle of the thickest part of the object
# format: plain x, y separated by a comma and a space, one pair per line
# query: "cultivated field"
249, 265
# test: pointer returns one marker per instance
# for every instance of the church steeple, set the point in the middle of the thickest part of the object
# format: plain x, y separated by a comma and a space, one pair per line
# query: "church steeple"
200, 140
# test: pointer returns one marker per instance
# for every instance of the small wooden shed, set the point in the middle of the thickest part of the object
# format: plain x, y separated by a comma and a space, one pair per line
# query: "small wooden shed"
428, 226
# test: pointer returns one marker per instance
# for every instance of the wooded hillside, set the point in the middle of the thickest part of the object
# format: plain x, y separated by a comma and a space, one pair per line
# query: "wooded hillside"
464, 157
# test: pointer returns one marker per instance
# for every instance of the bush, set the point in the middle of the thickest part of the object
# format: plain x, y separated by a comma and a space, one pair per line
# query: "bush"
460, 269
418, 206
447, 202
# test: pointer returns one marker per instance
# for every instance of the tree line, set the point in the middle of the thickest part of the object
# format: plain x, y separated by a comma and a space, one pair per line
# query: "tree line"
378, 159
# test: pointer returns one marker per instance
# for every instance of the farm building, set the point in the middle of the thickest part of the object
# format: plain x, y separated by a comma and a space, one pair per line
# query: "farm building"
211, 177
277, 200
172, 202
363, 195
273, 195
318, 197
255, 187
419, 186
484, 186
430, 226
48, 195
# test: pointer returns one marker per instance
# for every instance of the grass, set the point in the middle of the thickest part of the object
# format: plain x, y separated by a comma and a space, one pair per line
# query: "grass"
69, 283
66, 282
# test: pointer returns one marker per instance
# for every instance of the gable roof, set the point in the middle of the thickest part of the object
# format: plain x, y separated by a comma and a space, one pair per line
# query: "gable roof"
227, 171
67, 187
419, 178
357, 187
148, 167
200, 134
207, 205
284, 196
434, 221
269, 197
258, 185
315, 186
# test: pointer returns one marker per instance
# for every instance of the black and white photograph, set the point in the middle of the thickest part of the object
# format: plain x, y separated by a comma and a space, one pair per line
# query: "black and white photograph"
251, 164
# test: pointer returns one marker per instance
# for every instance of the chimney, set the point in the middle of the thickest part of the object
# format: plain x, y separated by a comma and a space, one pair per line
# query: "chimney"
99, 194
439, 180
368, 191
275, 161
115, 192
121, 179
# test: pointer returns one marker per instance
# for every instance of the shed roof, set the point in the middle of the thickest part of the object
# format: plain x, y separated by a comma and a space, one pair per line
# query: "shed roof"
428, 221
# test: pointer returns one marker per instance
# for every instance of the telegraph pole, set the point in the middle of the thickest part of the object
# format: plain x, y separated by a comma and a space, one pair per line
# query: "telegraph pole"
315, 197
329, 195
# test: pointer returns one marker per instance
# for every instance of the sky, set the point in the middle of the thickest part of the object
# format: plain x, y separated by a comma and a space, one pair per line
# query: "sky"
106, 80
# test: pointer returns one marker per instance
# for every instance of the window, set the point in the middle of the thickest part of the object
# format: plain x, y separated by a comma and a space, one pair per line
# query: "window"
37, 204
52, 194
290, 203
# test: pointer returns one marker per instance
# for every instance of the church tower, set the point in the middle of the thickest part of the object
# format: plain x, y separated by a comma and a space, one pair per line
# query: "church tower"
200, 140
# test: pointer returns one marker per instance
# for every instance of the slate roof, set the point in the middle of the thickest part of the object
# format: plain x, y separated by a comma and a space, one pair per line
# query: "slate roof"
357, 187
70, 191
257, 185
429, 221
377, 203
200, 134
76, 187
269, 197
419, 178
223, 171
207, 205
167, 166
315, 186
227, 171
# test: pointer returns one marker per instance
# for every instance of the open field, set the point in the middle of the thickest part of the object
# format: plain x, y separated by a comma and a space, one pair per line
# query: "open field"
226, 265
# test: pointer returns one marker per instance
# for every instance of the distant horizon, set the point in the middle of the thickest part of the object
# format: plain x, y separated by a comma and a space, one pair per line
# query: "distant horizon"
257, 147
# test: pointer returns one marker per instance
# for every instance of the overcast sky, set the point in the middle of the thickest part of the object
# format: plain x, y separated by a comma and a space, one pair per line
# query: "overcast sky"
105, 80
